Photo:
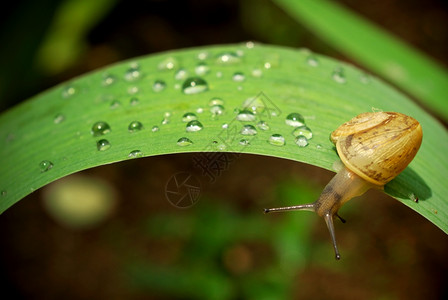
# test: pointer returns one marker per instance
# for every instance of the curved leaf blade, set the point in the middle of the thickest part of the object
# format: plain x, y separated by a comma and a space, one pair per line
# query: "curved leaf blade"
56, 125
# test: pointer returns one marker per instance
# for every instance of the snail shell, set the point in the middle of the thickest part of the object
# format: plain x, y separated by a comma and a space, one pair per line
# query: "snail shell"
378, 146
374, 148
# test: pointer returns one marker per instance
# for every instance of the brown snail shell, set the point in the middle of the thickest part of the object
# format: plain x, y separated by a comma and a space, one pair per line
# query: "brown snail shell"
374, 148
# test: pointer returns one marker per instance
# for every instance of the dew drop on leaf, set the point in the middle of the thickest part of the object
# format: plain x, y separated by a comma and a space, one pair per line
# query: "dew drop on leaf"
338, 75
295, 120
3, 193
194, 85
135, 154
276, 140
155, 128
135, 126
217, 110
58, 119
238, 77
304, 131
245, 116
100, 128
248, 130
228, 58
68, 91
115, 104
134, 101
257, 73
181, 74
133, 73
168, 63
301, 141
108, 80
189, 116
194, 126
263, 125
158, 86
202, 69
45, 165
184, 141
312, 61
216, 101
102, 145
244, 142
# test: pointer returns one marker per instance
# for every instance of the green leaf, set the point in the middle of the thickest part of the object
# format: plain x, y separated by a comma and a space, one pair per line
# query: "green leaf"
376, 49
50, 136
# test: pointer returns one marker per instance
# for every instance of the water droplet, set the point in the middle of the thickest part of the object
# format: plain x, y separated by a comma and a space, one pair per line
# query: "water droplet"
228, 58
255, 104
225, 126
165, 120
102, 145
108, 79
168, 63
134, 101
295, 120
184, 141
133, 73
181, 74
132, 90
3, 193
250, 45
135, 154
257, 73
203, 55
276, 140
135, 126
216, 101
222, 147
301, 141
58, 119
244, 142
45, 165
201, 69
318, 146
68, 91
245, 116
312, 61
158, 86
304, 131
115, 104
217, 110
155, 128
218, 74
194, 85
338, 75
189, 116
238, 77
199, 110
100, 128
263, 125
248, 130
194, 126
167, 114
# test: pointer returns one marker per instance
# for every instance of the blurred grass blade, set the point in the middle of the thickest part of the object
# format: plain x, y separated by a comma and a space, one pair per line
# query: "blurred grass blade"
376, 49
136, 109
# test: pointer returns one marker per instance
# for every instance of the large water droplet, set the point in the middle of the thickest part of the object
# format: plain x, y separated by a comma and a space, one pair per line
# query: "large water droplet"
312, 61
217, 110
168, 63
135, 126
194, 85
295, 120
301, 141
238, 77
135, 154
45, 165
108, 79
263, 125
194, 126
248, 130
189, 116
133, 73
68, 91
276, 140
58, 119
181, 74
100, 128
228, 58
245, 116
102, 145
338, 75
184, 141
202, 69
304, 131
158, 86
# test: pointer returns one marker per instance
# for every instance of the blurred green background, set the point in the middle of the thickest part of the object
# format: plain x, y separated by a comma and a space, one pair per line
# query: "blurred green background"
129, 242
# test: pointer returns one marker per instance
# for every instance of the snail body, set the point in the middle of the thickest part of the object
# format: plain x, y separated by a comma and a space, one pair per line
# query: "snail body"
374, 148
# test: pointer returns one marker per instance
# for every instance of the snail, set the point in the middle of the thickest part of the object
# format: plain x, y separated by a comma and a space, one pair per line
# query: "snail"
374, 148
